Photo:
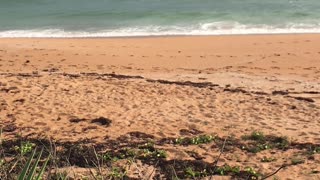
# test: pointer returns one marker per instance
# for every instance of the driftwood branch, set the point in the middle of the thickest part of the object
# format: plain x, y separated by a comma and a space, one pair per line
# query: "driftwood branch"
221, 152
267, 176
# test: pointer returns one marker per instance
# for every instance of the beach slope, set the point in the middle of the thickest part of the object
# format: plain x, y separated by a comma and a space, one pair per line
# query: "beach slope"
256, 97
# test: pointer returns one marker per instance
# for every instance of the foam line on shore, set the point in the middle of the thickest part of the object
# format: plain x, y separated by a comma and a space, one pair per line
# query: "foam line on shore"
217, 28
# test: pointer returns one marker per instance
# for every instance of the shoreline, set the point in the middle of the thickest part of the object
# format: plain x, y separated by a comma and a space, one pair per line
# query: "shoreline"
169, 36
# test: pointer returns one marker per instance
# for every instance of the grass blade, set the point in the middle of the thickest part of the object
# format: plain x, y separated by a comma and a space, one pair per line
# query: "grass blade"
42, 169
35, 165
26, 167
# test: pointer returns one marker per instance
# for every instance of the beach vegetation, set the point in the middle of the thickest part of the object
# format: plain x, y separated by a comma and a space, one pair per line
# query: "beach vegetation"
20, 156
255, 136
255, 148
201, 139
268, 159
144, 151
191, 173
226, 169
107, 157
147, 153
25, 147
30, 170
257, 141
253, 174
234, 171
280, 142
117, 173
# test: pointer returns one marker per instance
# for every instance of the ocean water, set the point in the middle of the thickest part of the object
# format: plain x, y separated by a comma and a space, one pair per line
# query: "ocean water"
109, 18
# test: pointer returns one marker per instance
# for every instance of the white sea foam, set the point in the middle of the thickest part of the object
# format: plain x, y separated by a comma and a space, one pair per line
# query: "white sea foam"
215, 28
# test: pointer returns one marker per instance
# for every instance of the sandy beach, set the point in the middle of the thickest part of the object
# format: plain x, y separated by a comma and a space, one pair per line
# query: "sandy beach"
104, 90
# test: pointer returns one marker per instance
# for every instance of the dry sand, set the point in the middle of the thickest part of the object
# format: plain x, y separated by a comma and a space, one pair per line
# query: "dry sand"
164, 87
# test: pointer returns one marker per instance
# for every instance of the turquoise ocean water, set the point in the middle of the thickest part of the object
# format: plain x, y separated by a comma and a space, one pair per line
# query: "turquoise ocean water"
109, 18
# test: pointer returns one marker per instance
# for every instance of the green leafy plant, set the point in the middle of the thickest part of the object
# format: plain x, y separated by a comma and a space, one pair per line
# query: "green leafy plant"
226, 169
259, 142
130, 152
191, 173
148, 150
147, 145
255, 136
255, 148
25, 147
146, 153
253, 174
280, 142
202, 139
109, 158
159, 153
